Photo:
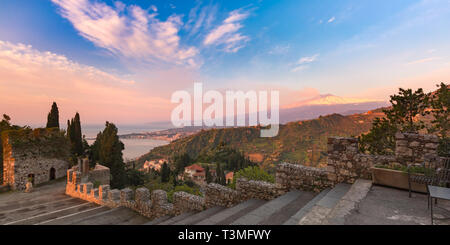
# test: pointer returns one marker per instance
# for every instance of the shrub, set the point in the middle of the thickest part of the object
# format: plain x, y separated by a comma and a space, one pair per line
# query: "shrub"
252, 173
185, 188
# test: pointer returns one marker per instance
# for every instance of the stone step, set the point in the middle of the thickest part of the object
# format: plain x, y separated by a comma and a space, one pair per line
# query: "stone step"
294, 220
116, 216
100, 213
177, 218
263, 212
158, 220
229, 215
74, 217
27, 202
278, 218
199, 216
4, 188
135, 219
348, 202
26, 211
323, 207
49, 215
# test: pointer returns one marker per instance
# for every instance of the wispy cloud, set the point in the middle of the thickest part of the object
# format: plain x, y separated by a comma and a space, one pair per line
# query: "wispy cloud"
200, 18
227, 33
129, 31
421, 61
303, 62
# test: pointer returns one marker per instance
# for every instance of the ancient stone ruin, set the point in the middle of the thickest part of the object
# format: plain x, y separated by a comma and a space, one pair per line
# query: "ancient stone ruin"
345, 165
34, 156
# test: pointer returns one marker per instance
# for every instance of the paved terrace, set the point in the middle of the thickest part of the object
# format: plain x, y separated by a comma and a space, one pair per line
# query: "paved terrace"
388, 206
48, 205
359, 204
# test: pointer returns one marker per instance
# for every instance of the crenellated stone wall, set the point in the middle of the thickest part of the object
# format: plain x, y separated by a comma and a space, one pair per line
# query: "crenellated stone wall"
185, 202
345, 165
218, 195
155, 204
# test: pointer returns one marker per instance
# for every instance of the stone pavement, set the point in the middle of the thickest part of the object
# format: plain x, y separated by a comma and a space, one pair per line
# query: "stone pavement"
388, 206
48, 205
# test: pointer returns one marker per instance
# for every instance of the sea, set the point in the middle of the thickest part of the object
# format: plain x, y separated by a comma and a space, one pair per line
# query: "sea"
134, 148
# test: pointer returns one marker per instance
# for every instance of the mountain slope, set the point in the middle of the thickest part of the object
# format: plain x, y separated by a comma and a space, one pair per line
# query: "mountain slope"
300, 142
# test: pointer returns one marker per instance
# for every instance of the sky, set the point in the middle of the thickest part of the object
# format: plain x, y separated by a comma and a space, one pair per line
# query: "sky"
120, 61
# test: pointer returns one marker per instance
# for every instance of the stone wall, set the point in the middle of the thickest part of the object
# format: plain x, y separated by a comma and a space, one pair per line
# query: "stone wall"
218, 195
415, 148
185, 202
25, 156
345, 165
100, 174
17, 168
155, 204
293, 176
252, 189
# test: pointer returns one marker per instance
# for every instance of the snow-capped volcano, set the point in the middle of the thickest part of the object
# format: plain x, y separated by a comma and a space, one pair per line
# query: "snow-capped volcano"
327, 104
329, 99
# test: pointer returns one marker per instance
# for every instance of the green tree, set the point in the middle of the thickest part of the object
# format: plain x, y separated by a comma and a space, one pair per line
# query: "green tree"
135, 177
402, 115
53, 117
380, 139
440, 104
221, 179
165, 173
208, 176
181, 161
75, 136
406, 106
107, 150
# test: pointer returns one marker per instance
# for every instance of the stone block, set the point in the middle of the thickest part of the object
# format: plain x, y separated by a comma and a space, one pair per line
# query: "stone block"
103, 191
114, 195
142, 195
126, 195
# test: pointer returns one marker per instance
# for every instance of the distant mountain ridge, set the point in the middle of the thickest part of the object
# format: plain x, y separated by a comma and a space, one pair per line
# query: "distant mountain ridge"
329, 99
325, 105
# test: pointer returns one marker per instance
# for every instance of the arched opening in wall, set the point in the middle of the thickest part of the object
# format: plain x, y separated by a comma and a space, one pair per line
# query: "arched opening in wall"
31, 178
52, 174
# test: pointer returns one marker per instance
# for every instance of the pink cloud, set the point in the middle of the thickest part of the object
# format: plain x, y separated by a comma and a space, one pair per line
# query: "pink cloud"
31, 80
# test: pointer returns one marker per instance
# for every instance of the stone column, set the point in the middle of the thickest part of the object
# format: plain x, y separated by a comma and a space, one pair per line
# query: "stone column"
85, 166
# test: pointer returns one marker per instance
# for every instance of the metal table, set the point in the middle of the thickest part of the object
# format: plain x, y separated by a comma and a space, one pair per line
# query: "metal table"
437, 192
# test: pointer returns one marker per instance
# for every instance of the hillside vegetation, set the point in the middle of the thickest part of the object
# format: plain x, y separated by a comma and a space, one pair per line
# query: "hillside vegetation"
301, 142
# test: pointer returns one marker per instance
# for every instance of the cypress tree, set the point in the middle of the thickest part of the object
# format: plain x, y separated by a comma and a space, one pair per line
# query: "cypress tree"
221, 179
77, 137
165, 173
208, 175
53, 117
